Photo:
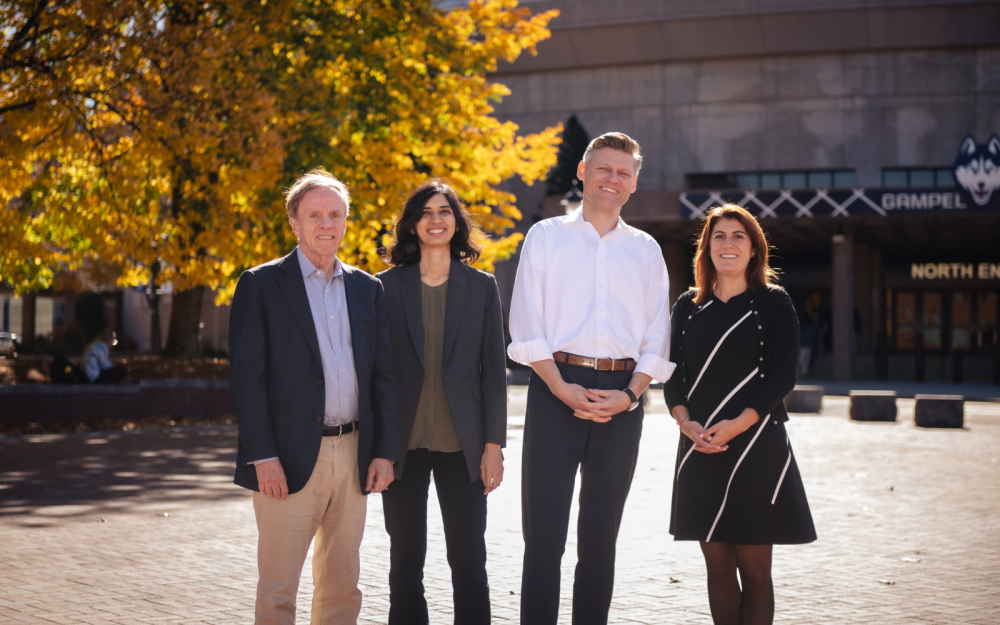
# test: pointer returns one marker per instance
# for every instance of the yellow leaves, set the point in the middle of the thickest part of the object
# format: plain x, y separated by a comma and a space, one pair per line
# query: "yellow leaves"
194, 146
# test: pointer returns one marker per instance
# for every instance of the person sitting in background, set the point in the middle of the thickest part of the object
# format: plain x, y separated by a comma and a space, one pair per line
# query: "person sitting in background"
96, 361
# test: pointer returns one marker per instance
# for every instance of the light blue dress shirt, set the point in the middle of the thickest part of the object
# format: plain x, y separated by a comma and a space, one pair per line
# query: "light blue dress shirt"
328, 304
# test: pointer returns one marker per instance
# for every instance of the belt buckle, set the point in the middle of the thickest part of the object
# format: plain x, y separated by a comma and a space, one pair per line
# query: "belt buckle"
596, 361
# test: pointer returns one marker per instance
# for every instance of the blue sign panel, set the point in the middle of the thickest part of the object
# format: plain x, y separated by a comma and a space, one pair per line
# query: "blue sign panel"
834, 202
976, 171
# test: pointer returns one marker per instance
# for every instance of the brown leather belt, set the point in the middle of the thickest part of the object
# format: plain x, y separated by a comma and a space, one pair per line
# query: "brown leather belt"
601, 364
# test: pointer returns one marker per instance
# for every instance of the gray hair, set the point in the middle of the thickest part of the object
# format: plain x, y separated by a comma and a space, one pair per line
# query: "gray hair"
304, 184
616, 141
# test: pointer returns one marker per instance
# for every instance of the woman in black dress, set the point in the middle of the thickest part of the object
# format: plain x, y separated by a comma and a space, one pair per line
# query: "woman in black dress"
737, 489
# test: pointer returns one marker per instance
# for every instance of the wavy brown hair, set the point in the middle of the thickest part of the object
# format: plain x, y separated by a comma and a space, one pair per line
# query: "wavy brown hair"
759, 272
405, 247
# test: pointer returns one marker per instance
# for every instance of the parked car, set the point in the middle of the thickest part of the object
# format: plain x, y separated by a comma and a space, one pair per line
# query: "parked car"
8, 347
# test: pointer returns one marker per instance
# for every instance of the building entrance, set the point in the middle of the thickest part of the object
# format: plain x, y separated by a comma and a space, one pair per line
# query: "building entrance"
949, 334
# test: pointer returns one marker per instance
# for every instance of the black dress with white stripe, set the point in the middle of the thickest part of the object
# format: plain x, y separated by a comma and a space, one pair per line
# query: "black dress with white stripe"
733, 355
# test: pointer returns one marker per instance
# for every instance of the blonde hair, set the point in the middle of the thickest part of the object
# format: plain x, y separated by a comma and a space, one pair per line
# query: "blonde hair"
759, 273
318, 177
616, 141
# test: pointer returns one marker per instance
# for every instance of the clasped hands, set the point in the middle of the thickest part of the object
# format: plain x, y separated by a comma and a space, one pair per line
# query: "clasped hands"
272, 483
715, 439
593, 404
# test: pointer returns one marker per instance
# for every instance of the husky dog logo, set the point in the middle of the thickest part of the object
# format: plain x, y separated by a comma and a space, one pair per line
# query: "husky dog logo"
977, 168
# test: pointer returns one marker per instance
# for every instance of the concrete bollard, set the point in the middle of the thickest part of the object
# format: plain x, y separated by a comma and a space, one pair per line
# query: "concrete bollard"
805, 399
873, 405
940, 411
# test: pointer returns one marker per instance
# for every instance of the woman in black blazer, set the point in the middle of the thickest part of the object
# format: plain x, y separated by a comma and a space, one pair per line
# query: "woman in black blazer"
446, 328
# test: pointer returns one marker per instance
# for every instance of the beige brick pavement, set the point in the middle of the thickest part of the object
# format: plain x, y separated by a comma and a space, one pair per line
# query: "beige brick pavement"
148, 528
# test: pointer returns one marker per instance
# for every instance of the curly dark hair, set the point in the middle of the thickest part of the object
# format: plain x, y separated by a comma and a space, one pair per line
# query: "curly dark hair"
405, 248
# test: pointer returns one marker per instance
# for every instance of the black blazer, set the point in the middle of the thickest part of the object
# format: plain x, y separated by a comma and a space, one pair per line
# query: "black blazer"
778, 351
276, 372
475, 368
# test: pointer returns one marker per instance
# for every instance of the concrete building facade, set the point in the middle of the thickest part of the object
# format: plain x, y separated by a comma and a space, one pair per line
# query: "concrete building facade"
856, 111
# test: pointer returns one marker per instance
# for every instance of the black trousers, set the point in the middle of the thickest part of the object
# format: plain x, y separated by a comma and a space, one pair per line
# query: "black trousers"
113, 375
555, 444
463, 510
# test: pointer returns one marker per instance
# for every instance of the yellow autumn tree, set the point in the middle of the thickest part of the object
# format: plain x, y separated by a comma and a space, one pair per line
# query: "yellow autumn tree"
145, 150
163, 145
390, 93
54, 57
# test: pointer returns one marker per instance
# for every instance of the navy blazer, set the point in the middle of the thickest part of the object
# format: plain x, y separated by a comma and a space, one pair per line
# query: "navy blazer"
475, 366
276, 372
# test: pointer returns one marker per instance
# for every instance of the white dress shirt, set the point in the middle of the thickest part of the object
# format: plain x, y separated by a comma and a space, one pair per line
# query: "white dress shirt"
328, 305
593, 296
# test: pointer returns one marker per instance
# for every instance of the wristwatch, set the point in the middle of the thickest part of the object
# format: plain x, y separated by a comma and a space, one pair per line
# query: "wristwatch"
632, 397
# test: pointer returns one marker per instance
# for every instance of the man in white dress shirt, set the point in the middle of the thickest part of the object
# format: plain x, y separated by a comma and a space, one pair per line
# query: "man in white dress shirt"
590, 316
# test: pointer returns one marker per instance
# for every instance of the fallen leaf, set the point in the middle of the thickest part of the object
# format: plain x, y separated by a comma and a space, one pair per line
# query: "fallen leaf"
674, 580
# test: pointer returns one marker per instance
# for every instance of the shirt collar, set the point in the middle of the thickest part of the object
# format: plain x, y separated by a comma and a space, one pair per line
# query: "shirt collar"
308, 268
577, 217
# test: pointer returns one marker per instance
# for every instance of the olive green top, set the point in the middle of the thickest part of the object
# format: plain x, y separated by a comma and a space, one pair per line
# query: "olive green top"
433, 427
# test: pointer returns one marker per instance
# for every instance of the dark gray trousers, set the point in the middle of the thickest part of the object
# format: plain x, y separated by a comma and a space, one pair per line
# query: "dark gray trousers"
463, 510
556, 444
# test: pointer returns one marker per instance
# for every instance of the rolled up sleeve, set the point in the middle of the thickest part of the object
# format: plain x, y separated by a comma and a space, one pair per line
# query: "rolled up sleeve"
527, 305
527, 352
654, 350
655, 367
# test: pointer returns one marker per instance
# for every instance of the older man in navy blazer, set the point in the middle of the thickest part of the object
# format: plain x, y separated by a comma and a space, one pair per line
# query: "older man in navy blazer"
313, 386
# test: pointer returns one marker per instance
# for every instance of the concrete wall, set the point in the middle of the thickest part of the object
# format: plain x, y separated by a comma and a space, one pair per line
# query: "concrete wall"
44, 403
613, 32
856, 110
864, 111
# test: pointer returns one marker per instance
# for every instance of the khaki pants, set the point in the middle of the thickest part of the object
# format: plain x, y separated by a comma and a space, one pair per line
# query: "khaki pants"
332, 508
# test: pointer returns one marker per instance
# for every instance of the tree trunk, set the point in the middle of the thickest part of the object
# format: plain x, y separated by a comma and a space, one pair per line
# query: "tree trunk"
185, 324
153, 299
26, 334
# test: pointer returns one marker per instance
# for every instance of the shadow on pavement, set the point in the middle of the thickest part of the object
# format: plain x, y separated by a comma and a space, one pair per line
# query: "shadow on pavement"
49, 478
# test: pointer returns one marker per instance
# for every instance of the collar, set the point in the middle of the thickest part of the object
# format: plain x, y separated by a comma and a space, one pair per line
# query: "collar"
308, 268
577, 217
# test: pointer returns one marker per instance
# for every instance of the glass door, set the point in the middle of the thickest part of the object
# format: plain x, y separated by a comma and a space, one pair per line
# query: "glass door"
906, 318
986, 321
932, 320
961, 320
